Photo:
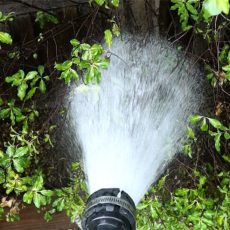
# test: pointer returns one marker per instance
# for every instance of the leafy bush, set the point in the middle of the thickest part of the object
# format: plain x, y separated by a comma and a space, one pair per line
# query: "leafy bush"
22, 178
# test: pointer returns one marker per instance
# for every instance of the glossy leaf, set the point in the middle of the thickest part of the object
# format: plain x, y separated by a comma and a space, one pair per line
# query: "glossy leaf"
108, 37
22, 91
42, 86
195, 118
5, 38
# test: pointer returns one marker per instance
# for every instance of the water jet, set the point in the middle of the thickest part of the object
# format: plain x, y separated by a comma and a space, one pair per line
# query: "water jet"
131, 125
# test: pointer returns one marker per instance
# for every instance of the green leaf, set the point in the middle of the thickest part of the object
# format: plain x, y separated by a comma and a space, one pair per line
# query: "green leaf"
31, 75
103, 63
20, 164
187, 149
41, 70
227, 135
22, 90
10, 151
202, 180
31, 93
21, 151
48, 193
216, 124
76, 61
47, 78
5, 38
17, 111
116, 29
5, 161
142, 206
115, 2
39, 200
2, 177
48, 216
74, 74
16, 78
38, 184
217, 142
204, 125
59, 204
190, 133
12, 118
191, 8
226, 68
28, 197
42, 86
226, 158
194, 118
108, 37
42, 18
63, 66
4, 113
96, 50
100, 2
74, 42
85, 46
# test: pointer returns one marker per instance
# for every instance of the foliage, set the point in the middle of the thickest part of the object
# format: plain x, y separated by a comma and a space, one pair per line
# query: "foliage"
87, 59
22, 179
5, 18
33, 80
5, 37
187, 208
198, 11
42, 18
106, 3
66, 199
213, 127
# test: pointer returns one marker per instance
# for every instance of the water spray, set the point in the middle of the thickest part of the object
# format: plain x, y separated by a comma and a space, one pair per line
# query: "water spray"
131, 126
109, 209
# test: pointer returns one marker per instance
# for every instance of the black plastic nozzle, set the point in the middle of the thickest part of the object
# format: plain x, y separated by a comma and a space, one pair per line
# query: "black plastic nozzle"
109, 209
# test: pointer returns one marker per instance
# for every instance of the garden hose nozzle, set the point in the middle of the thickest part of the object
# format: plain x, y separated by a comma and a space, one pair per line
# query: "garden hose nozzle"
109, 209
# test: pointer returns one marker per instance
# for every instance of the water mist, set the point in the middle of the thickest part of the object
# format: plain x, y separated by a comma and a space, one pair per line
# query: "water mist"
133, 123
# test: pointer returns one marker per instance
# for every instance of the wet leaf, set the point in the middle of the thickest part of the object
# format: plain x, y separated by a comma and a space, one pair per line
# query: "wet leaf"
216, 124
39, 200
31, 75
20, 164
28, 197
204, 125
5, 38
108, 37
31, 92
100, 2
74, 42
190, 133
21, 151
42, 86
194, 118
63, 66
217, 142
22, 91
41, 70
4, 113
227, 135
115, 2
